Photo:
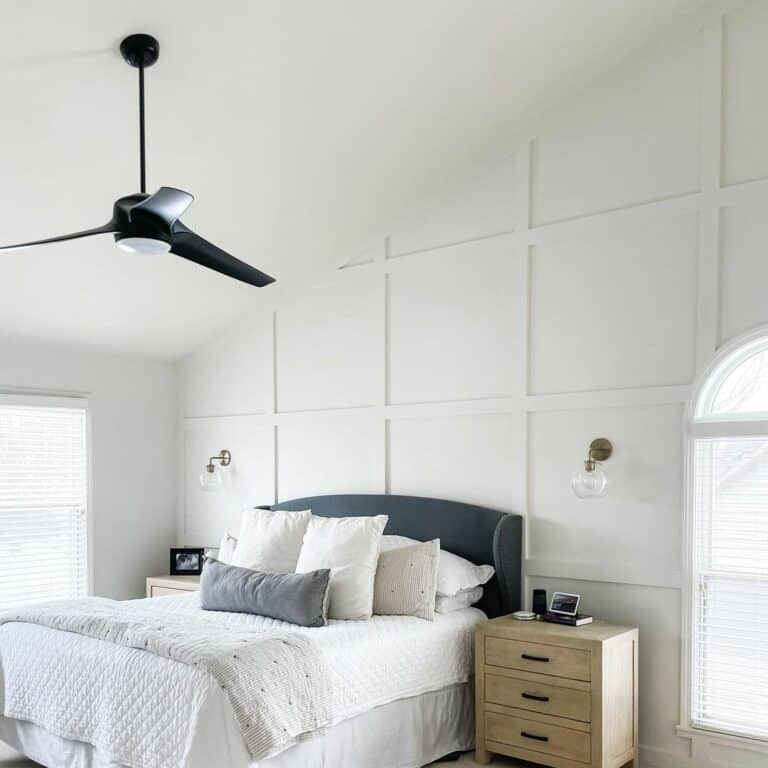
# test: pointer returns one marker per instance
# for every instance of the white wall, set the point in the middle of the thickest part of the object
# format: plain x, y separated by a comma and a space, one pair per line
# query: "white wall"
133, 414
568, 292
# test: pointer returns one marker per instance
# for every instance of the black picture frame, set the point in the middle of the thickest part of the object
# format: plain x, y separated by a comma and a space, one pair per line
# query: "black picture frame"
186, 561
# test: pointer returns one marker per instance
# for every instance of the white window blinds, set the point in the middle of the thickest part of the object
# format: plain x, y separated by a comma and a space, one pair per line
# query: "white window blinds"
729, 654
43, 493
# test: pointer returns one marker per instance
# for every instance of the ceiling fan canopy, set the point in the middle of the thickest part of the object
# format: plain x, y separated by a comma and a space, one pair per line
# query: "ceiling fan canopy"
150, 224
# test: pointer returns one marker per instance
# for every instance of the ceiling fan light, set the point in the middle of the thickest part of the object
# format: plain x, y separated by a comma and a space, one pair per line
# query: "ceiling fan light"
147, 245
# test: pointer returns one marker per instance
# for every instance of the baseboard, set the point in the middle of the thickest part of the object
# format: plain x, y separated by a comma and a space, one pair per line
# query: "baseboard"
653, 757
707, 751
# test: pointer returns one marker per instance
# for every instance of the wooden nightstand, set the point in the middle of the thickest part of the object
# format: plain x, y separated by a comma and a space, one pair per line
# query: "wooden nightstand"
556, 695
157, 586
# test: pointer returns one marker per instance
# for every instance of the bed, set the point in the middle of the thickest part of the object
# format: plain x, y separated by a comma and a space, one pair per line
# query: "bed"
399, 688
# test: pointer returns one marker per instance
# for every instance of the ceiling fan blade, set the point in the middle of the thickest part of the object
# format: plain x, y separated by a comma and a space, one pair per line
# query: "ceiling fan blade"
188, 245
167, 205
105, 230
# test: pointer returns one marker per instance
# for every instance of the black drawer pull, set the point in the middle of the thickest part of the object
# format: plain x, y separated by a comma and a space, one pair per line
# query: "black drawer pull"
533, 736
534, 697
528, 657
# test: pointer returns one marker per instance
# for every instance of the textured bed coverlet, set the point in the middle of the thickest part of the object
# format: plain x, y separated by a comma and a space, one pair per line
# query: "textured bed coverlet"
144, 709
275, 680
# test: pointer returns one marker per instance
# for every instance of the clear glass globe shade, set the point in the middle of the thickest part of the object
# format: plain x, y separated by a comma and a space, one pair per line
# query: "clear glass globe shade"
589, 485
210, 481
147, 245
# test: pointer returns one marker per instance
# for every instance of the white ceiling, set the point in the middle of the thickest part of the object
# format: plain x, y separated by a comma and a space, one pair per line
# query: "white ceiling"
303, 127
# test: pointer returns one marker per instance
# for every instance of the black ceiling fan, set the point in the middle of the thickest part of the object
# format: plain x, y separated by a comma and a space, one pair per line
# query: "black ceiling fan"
143, 223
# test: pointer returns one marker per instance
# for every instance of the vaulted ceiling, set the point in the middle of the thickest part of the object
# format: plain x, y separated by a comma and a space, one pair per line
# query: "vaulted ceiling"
302, 127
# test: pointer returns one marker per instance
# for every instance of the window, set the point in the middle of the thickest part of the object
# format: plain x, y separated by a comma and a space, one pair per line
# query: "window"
727, 653
43, 492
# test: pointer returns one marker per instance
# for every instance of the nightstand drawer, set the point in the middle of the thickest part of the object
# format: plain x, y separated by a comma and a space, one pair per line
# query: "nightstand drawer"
538, 697
538, 737
156, 591
555, 660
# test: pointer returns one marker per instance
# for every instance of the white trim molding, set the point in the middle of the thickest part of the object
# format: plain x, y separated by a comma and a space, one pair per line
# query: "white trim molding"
611, 572
700, 425
739, 749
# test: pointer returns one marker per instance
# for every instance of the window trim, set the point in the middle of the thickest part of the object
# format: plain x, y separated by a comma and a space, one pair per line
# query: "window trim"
697, 427
736, 353
63, 399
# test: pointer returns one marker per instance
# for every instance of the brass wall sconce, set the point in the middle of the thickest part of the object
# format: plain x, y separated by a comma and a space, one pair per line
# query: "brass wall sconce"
212, 476
591, 482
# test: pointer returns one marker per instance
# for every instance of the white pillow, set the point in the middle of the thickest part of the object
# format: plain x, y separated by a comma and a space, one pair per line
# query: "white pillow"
454, 573
464, 599
226, 548
270, 540
349, 546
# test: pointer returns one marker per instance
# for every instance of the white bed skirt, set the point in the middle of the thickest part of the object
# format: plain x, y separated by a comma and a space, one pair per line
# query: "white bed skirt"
406, 733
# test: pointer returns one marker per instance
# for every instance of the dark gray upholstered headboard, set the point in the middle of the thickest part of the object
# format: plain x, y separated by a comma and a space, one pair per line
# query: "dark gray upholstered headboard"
482, 535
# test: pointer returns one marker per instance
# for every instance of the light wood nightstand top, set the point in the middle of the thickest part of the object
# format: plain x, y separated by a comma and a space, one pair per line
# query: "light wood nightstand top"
598, 631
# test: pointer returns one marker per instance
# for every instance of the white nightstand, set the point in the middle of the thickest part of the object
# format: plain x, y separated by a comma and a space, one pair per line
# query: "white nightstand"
157, 586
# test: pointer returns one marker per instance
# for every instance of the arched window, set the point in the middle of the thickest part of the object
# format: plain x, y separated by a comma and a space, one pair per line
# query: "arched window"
727, 545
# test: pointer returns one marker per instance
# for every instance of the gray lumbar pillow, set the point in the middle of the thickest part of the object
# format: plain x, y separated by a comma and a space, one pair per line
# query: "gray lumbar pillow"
300, 598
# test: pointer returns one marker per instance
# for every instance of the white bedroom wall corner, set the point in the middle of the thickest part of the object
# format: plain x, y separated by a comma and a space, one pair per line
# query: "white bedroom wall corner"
133, 471
138, 440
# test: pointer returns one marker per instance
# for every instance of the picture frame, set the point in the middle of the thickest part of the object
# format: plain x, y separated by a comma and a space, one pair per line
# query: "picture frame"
186, 561
565, 604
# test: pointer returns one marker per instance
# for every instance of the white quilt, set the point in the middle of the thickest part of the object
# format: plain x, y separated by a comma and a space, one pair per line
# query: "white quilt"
140, 709
275, 680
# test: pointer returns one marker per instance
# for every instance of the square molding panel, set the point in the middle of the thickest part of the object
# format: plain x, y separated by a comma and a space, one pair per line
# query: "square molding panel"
743, 269
745, 109
249, 482
477, 459
456, 331
616, 309
343, 454
637, 525
328, 343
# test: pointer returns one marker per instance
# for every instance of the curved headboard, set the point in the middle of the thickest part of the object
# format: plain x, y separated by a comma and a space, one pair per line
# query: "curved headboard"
479, 534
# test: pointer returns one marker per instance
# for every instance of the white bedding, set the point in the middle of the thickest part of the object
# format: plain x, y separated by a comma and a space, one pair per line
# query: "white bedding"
406, 733
141, 710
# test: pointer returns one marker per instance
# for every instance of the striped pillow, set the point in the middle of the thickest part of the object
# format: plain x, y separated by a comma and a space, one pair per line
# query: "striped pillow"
406, 581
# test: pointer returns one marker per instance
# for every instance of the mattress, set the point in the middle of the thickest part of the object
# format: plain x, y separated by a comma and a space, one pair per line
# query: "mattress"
147, 711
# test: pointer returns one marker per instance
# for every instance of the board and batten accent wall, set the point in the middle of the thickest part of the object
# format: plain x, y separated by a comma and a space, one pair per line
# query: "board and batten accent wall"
569, 290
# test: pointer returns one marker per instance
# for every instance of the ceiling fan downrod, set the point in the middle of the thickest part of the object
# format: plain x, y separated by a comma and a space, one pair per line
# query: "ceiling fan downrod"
141, 51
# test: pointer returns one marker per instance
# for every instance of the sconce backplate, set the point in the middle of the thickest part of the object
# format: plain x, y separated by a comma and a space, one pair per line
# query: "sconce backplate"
225, 456
600, 449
